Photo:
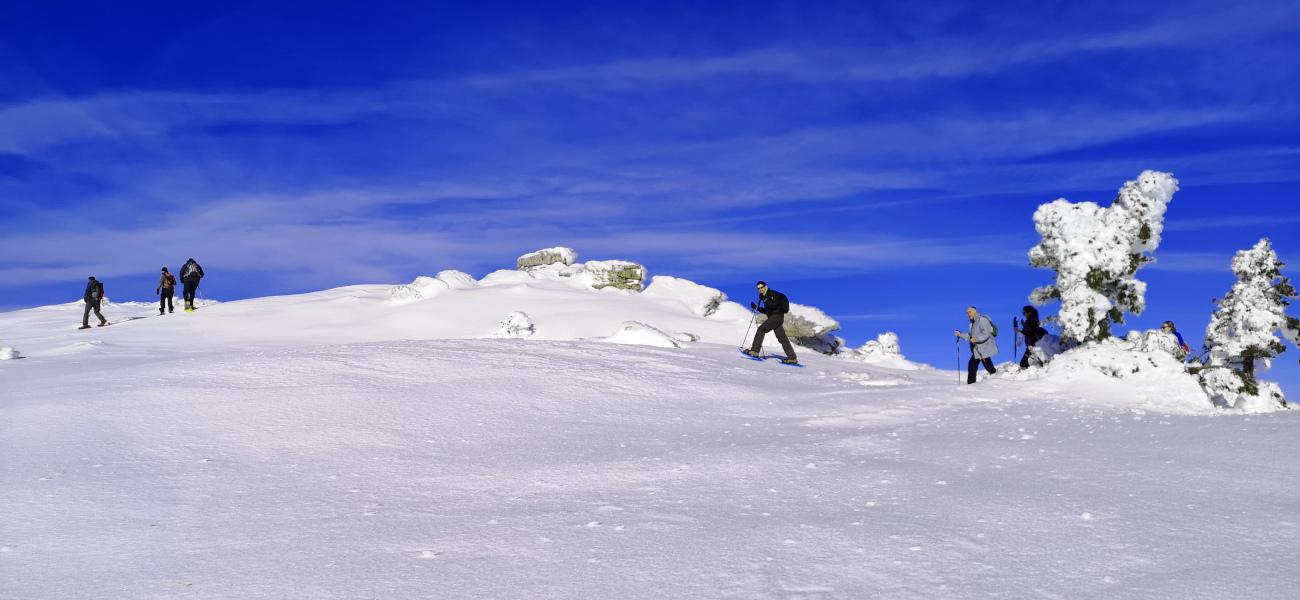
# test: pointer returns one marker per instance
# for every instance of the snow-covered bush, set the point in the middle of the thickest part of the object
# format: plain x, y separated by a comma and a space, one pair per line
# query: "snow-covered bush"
516, 325
1243, 330
701, 300
621, 274
7, 353
639, 334
547, 256
1096, 253
1155, 340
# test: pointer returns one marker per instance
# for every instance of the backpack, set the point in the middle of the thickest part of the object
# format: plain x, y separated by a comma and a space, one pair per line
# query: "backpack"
99, 286
995, 327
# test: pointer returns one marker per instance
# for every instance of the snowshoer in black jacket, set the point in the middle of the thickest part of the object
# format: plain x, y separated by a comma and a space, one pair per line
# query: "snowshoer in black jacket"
775, 305
191, 273
93, 296
1033, 331
166, 291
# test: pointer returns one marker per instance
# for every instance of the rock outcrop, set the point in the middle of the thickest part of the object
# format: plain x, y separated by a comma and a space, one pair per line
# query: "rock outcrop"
620, 274
547, 256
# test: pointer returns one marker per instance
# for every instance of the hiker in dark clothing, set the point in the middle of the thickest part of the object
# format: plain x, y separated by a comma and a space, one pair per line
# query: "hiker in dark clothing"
166, 291
1033, 331
191, 273
775, 305
93, 296
982, 343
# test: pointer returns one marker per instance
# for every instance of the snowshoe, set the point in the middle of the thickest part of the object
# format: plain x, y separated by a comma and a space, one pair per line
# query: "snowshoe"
789, 361
750, 353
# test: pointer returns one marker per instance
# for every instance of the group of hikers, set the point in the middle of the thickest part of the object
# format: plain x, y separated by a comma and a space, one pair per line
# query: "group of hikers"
191, 273
981, 335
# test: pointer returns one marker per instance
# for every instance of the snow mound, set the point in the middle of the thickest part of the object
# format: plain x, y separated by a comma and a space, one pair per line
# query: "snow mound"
547, 256
701, 300
639, 334
884, 351
456, 280
516, 325
1127, 373
7, 353
422, 288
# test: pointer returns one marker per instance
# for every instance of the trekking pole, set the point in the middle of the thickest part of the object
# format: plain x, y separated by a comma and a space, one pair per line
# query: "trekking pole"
752, 315
958, 361
1015, 338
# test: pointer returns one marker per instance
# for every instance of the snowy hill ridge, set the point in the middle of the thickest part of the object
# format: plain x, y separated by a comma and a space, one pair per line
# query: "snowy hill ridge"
552, 297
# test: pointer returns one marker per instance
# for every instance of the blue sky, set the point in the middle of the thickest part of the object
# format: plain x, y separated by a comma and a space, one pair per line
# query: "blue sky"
879, 160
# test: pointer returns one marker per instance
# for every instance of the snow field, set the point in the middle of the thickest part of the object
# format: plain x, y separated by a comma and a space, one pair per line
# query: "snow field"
343, 445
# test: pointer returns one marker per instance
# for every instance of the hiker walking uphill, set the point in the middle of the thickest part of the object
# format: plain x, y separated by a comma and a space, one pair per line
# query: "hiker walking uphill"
191, 273
93, 296
166, 291
982, 343
775, 305
1033, 331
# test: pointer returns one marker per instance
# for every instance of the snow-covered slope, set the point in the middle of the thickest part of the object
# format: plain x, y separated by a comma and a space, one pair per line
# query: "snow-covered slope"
354, 444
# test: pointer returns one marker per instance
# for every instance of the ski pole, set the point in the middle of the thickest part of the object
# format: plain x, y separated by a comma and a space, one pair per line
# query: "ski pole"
752, 315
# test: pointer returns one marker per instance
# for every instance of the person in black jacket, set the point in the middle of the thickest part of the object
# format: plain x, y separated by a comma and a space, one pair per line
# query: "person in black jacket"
1033, 331
191, 273
93, 296
775, 305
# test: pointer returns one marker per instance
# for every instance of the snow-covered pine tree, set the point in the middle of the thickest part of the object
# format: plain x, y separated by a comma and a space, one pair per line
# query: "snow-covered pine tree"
1243, 330
1096, 253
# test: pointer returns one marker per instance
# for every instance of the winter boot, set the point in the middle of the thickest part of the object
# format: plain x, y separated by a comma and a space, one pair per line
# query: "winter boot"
789, 361
749, 352
84, 327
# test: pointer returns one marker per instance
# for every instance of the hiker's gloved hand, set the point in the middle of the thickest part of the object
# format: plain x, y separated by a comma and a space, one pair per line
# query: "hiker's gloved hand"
753, 305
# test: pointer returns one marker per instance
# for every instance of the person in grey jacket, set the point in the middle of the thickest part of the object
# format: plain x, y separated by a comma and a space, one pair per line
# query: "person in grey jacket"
983, 344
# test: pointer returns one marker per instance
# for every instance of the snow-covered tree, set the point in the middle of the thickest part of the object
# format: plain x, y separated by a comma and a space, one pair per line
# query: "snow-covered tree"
1096, 252
1243, 330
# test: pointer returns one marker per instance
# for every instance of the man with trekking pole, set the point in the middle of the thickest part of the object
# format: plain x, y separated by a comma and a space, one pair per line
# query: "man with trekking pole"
982, 343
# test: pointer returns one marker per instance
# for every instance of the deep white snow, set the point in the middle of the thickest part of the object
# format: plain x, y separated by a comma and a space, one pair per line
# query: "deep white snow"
350, 444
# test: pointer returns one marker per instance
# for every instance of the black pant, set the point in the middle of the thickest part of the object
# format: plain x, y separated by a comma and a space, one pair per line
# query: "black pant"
774, 324
973, 366
165, 299
85, 317
191, 286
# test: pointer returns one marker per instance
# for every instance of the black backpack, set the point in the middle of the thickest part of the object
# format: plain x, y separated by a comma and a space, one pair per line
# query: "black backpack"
99, 286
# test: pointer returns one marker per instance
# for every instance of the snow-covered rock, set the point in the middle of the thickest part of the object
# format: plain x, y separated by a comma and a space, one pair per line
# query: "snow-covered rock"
505, 277
620, 274
516, 325
811, 328
8, 353
640, 334
700, 300
547, 256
